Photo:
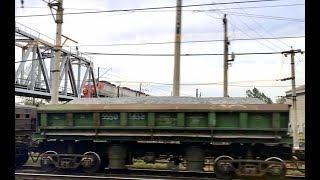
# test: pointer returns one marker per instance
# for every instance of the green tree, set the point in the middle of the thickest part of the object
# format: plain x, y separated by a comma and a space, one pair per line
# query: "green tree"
255, 93
281, 100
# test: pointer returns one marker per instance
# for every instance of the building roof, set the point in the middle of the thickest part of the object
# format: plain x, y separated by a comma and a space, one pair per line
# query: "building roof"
299, 90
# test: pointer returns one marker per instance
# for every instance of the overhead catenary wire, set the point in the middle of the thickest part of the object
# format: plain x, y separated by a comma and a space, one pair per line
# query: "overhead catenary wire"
256, 32
153, 8
199, 54
258, 16
195, 41
231, 13
233, 24
246, 7
196, 84
268, 32
206, 83
214, 10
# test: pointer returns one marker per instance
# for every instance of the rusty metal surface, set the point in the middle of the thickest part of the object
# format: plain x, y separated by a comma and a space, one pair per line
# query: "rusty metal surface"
164, 135
165, 107
168, 100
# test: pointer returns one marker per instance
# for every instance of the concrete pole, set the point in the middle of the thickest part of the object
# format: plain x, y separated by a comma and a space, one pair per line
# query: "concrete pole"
98, 74
56, 68
294, 101
176, 73
294, 120
225, 58
79, 73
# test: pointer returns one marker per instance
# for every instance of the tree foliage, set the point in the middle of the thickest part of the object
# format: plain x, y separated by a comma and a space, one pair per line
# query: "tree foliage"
281, 100
255, 93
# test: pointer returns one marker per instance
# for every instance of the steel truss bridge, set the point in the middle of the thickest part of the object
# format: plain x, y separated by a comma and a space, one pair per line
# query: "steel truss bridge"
33, 75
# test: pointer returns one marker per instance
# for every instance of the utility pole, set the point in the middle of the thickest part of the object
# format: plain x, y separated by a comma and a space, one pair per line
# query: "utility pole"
226, 57
79, 73
57, 48
176, 73
294, 121
140, 89
98, 75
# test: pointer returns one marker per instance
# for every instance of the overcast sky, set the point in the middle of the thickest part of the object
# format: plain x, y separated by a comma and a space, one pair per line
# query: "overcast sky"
159, 25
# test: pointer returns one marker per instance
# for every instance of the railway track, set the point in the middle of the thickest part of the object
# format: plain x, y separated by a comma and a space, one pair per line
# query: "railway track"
44, 176
34, 172
40, 176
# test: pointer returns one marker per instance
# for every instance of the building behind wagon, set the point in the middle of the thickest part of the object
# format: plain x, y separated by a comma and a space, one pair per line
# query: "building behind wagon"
300, 93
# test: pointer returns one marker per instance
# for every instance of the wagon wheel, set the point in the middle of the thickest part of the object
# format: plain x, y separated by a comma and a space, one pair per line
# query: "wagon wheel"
90, 162
46, 161
223, 170
275, 171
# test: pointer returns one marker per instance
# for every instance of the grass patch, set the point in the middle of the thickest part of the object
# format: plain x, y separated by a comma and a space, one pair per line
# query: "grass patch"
140, 164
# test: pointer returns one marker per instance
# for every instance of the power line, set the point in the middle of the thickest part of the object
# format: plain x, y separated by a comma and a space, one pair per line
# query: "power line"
261, 16
153, 8
246, 7
199, 54
262, 27
252, 7
162, 83
240, 29
234, 13
247, 34
196, 41
204, 84
253, 30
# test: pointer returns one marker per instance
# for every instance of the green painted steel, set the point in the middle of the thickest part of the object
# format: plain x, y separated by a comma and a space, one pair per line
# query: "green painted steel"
43, 120
212, 119
169, 120
181, 119
137, 119
197, 119
166, 119
69, 119
151, 119
83, 119
260, 120
243, 121
191, 125
56, 119
284, 119
227, 119
110, 119
123, 119
276, 120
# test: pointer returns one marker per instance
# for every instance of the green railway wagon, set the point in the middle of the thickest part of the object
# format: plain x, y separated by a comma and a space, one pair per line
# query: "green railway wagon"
245, 136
